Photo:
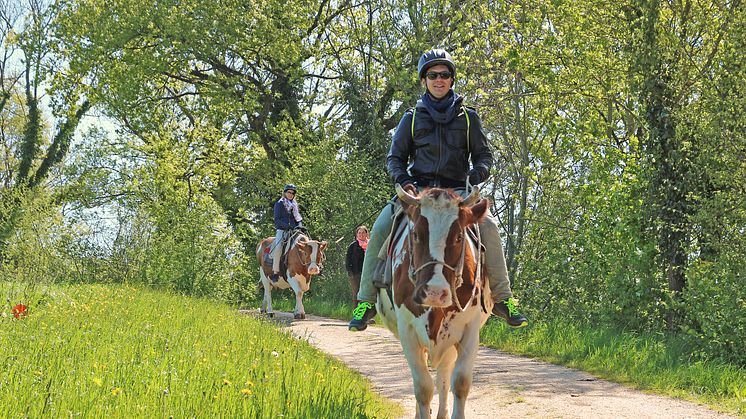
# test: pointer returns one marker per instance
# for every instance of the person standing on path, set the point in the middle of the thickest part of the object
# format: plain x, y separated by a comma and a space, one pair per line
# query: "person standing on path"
354, 260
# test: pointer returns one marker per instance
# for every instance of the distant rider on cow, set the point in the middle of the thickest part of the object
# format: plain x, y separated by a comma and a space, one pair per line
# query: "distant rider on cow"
287, 217
431, 148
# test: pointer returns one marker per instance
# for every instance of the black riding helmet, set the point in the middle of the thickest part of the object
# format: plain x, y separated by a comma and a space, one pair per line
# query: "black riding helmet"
433, 58
289, 187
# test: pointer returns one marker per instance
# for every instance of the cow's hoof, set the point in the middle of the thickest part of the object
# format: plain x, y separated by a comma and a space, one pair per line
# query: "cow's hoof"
299, 316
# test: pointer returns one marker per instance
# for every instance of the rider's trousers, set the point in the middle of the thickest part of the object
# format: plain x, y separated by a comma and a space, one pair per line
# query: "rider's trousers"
277, 251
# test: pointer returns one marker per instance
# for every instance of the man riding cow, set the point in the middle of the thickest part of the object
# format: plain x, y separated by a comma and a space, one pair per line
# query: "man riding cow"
431, 148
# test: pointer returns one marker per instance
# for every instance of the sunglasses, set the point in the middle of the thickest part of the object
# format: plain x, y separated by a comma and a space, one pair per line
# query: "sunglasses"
445, 75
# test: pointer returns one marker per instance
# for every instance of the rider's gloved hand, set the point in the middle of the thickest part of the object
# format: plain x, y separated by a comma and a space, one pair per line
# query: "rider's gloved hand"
477, 175
404, 180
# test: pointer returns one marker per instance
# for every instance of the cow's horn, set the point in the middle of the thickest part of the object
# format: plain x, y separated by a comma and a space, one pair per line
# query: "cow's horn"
472, 198
406, 196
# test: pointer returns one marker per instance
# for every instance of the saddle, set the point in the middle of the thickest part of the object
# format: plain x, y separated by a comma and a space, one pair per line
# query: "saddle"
287, 238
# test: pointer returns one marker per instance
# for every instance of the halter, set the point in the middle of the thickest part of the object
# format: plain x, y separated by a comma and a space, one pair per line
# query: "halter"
458, 270
295, 238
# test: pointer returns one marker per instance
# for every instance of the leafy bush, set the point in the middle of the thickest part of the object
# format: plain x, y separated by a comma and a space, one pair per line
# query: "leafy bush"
714, 304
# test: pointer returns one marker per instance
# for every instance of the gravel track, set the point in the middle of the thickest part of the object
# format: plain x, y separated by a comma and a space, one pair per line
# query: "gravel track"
505, 386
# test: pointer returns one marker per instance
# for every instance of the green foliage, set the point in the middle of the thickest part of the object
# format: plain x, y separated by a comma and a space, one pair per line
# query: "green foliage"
715, 295
716, 125
36, 239
592, 265
175, 235
125, 352
30, 149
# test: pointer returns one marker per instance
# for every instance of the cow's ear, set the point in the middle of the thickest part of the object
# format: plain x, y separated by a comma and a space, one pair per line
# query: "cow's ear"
479, 210
323, 244
301, 245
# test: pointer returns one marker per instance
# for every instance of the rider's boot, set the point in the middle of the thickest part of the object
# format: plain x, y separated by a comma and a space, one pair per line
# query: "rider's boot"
363, 313
507, 309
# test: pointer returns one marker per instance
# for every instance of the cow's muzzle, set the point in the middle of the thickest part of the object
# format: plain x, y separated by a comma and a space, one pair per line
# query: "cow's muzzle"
433, 296
314, 269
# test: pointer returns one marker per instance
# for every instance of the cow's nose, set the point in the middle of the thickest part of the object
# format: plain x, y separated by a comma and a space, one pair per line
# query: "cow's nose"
431, 296
313, 270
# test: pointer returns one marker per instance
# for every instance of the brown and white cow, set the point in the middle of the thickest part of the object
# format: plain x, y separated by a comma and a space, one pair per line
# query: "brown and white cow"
441, 297
304, 260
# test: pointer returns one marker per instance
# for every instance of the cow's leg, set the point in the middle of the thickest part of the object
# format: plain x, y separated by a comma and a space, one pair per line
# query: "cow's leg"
263, 307
443, 380
423, 382
463, 372
296, 283
267, 301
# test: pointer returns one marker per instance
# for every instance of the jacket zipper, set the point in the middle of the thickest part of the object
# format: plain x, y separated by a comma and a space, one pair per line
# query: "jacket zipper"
441, 139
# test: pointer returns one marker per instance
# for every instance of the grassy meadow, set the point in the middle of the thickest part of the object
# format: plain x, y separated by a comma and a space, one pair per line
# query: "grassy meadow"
118, 351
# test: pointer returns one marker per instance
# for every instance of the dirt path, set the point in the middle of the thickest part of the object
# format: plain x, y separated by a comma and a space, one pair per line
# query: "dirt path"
505, 386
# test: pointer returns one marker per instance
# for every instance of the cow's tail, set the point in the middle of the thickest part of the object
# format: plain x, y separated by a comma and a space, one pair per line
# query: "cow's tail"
261, 276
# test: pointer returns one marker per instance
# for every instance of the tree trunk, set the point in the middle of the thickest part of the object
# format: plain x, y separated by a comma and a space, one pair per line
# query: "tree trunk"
668, 163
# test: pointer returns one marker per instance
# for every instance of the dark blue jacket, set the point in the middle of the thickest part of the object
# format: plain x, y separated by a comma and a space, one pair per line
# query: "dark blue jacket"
284, 219
438, 151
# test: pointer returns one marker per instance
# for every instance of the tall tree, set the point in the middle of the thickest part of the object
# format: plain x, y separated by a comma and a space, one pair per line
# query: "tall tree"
27, 68
677, 45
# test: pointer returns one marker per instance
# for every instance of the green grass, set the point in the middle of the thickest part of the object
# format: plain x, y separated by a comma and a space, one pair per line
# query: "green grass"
117, 351
313, 306
651, 363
